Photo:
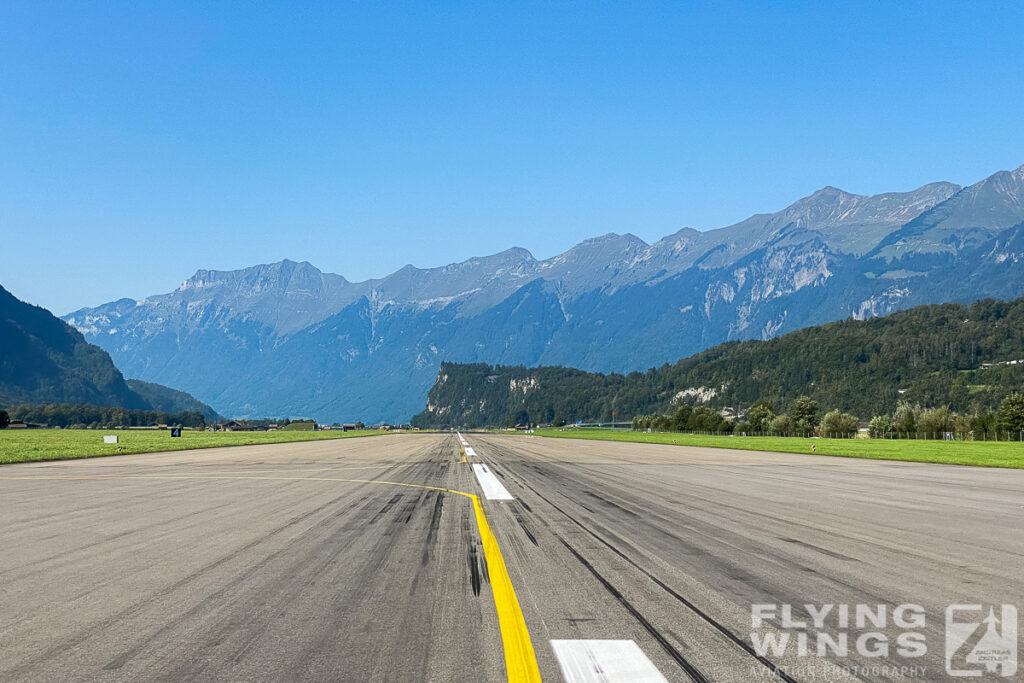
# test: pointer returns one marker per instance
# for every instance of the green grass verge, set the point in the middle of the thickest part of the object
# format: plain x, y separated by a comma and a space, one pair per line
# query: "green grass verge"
28, 445
980, 453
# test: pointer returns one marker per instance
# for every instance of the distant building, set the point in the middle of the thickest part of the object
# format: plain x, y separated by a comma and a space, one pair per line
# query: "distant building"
1001, 364
18, 424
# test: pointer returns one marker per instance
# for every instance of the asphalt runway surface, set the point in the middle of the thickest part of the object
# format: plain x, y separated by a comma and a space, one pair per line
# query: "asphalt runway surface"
382, 559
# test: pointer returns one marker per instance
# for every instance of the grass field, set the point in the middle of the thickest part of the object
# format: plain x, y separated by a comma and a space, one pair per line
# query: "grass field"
985, 454
26, 445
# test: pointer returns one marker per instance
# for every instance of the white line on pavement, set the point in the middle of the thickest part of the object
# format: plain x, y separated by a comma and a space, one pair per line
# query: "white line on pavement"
493, 490
604, 661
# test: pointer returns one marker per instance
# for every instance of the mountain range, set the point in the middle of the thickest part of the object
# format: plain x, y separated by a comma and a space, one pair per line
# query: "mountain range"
45, 360
288, 339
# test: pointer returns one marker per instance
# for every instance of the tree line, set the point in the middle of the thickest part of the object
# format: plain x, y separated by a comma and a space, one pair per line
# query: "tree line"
87, 416
907, 421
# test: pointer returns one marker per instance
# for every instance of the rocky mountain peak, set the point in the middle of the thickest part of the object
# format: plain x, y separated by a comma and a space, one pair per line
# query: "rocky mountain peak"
988, 206
829, 193
516, 254
827, 205
283, 276
1008, 184
611, 245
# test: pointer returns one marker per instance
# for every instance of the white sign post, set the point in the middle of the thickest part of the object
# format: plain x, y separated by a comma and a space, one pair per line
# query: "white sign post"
110, 439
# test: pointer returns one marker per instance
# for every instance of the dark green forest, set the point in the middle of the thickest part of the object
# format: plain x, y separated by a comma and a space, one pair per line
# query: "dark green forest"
84, 415
42, 358
929, 356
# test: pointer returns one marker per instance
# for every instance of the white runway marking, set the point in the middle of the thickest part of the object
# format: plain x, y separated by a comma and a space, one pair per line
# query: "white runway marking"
604, 661
470, 451
493, 490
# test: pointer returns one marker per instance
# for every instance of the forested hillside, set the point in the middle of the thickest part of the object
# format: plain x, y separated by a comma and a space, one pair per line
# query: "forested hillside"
167, 400
45, 360
930, 355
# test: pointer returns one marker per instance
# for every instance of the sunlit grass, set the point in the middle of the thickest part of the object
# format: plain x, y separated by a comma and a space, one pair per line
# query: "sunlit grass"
25, 445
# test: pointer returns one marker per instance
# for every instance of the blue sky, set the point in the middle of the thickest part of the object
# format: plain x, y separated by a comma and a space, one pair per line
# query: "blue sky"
142, 141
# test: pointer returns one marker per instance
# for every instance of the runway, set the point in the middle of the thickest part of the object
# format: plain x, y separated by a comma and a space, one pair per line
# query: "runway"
371, 560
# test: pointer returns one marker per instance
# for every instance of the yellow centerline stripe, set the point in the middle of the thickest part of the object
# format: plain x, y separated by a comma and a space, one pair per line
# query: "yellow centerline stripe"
520, 658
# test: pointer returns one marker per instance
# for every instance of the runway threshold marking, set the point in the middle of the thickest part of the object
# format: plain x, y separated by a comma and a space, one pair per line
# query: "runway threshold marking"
493, 488
520, 658
604, 661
